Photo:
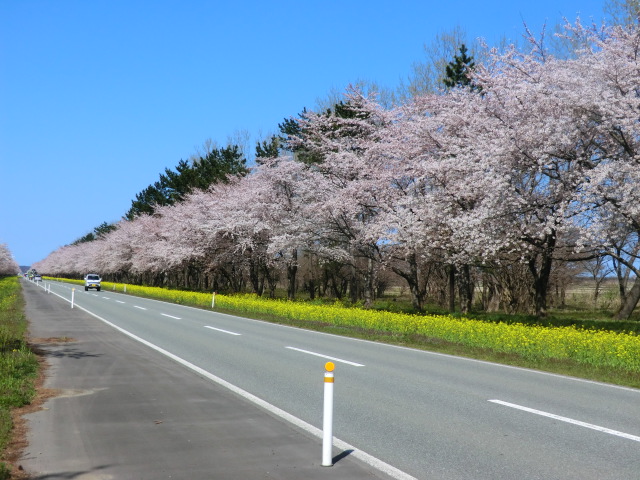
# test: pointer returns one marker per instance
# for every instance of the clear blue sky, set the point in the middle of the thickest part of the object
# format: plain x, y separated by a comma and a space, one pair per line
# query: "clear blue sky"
98, 97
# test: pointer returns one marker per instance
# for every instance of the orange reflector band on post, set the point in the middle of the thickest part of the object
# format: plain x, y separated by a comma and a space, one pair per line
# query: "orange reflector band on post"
328, 374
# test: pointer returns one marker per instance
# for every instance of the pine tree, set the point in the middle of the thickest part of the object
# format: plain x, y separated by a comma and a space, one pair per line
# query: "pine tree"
99, 232
458, 70
267, 149
172, 187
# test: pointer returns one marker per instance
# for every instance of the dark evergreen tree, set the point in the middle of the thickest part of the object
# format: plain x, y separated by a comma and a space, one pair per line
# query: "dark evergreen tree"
146, 200
89, 237
215, 167
267, 149
97, 233
291, 128
104, 228
458, 71
346, 110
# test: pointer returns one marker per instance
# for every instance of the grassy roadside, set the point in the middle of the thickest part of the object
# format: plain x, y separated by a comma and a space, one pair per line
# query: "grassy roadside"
18, 364
580, 352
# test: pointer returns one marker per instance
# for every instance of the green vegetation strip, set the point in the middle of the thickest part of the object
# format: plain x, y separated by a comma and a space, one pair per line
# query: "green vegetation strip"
535, 343
18, 364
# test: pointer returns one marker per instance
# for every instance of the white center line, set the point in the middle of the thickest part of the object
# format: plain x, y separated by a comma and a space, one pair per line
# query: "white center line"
569, 420
107, 298
326, 356
221, 330
119, 301
170, 316
141, 308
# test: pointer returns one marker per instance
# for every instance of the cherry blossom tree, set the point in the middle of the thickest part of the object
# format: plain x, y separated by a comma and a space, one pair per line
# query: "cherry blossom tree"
183, 243
349, 182
245, 234
531, 127
282, 196
8, 265
607, 76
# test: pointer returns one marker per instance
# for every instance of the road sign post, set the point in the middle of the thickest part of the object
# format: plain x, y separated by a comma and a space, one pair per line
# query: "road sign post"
327, 421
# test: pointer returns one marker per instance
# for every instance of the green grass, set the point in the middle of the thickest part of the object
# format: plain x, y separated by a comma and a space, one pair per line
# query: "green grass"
18, 364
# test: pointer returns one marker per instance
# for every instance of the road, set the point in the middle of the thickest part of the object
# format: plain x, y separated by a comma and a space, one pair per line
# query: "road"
428, 415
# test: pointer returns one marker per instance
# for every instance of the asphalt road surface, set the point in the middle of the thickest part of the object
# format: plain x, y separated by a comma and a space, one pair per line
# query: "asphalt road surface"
407, 413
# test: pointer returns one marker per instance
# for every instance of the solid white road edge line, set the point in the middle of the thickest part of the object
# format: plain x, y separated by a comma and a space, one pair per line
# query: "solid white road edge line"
326, 356
569, 420
359, 454
221, 330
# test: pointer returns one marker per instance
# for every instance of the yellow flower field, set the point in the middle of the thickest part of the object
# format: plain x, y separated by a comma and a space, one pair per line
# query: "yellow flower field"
594, 347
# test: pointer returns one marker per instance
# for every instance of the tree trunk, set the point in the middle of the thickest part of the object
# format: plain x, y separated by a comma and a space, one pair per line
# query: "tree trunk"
272, 280
368, 284
541, 279
353, 285
412, 277
452, 288
622, 281
630, 301
254, 277
292, 270
542, 275
312, 289
494, 298
465, 288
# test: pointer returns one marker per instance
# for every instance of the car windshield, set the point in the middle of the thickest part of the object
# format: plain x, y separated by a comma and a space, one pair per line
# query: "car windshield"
93, 277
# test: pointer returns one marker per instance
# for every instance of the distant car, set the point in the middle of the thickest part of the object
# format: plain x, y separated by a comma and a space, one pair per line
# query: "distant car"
37, 278
92, 280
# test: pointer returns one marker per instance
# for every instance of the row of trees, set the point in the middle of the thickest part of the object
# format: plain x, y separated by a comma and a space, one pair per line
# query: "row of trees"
215, 165
502, 182
8, 265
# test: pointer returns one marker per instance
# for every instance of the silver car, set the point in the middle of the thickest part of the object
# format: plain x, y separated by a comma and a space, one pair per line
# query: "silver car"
92, 280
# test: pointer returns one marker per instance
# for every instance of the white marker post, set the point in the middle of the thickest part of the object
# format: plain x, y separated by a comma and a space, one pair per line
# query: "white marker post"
213, 300
327, 421
73, 293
